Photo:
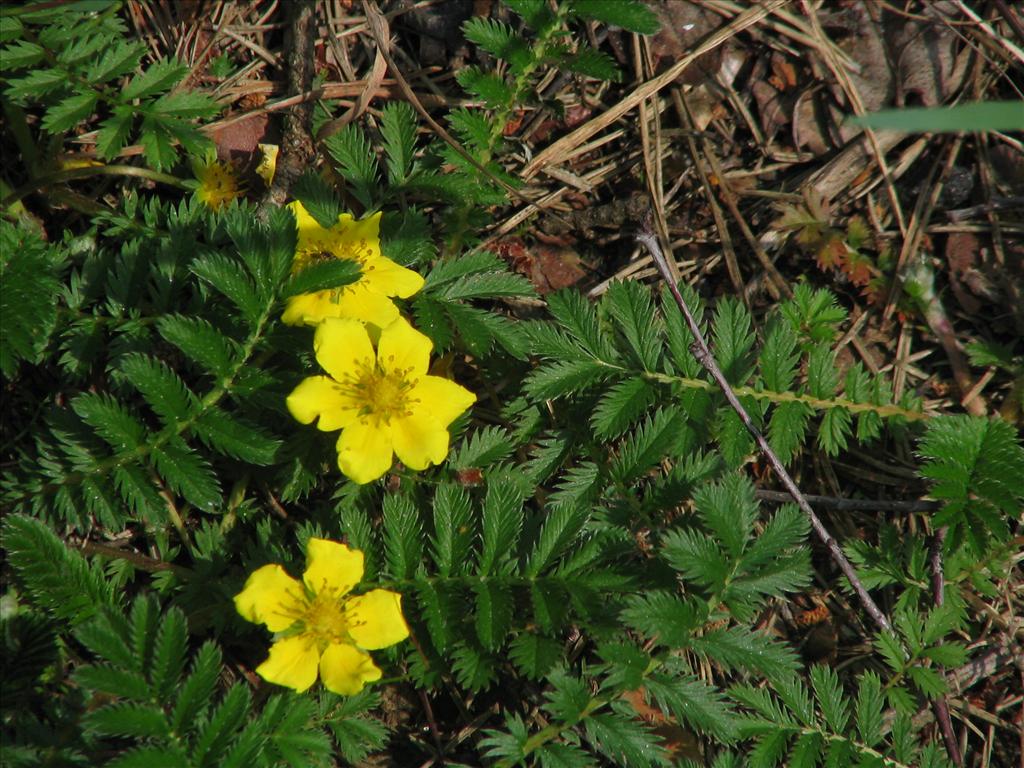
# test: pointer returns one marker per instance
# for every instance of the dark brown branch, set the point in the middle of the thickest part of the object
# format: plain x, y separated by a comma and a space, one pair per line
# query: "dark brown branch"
297, 149
702, 352
853, 505
142, 562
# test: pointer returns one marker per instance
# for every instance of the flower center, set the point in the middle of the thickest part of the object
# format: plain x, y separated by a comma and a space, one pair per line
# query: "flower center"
385, 395
325, 619
381, 395
328, 245
218, 185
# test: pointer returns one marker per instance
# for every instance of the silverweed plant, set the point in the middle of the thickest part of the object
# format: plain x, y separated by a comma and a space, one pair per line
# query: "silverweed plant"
273, 474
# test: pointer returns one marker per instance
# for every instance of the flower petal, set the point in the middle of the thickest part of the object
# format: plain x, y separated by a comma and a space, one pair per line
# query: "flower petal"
268, 162
331, 566
360, 238
345, 669
419, 440
365, 450
441, 398
342, 348
271, 597
311, 236
310, 308
391, 279
361, 302
292, 663
319, 396
375, 619
403, 349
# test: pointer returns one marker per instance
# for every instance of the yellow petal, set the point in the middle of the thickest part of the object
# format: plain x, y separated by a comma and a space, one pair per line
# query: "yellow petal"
319, 396
331, 566
419, 440
360, 302
441, 398
403, 349
364, 451
311, 236
343, 348
391, 279
268, 162
345, 669
375, 619
292, 663
310, 308
271, 597
364, 233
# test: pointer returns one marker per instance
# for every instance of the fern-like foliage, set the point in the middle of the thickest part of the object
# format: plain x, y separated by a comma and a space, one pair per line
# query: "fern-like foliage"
77, 62
793, 726
444, 309
178, 393
489, 584
147, 690
540, 38
975, 466
29, 273
143, 695
727, 571
58, 580
624, 343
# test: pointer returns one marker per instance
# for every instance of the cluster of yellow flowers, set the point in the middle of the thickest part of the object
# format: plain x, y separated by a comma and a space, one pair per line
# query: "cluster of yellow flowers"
378, 392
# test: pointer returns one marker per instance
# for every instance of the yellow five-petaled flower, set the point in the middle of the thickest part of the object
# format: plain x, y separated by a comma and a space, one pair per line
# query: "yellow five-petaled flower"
383, 401
369, 298
219, 182
321, 627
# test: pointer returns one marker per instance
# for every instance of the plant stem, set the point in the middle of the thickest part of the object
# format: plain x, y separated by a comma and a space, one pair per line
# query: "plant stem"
940, 707
702, 352
59, 177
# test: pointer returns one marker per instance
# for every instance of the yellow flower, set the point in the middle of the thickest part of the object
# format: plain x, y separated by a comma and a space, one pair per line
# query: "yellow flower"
319, 626
367, 299
383, 401
219, 183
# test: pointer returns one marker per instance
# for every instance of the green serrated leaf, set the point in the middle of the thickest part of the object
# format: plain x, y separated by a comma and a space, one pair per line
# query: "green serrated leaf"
158, 77
318, 198
235, 437
188, 474
631, 15
402, 536
70, 112
322, 276
501, 524
356, 162
453, 529
398, 129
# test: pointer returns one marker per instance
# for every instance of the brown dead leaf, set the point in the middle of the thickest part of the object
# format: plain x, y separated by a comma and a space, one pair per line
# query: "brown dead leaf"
772, 107
783, 72
899, 60
550, 266
555, 268
832, 253
239, 140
